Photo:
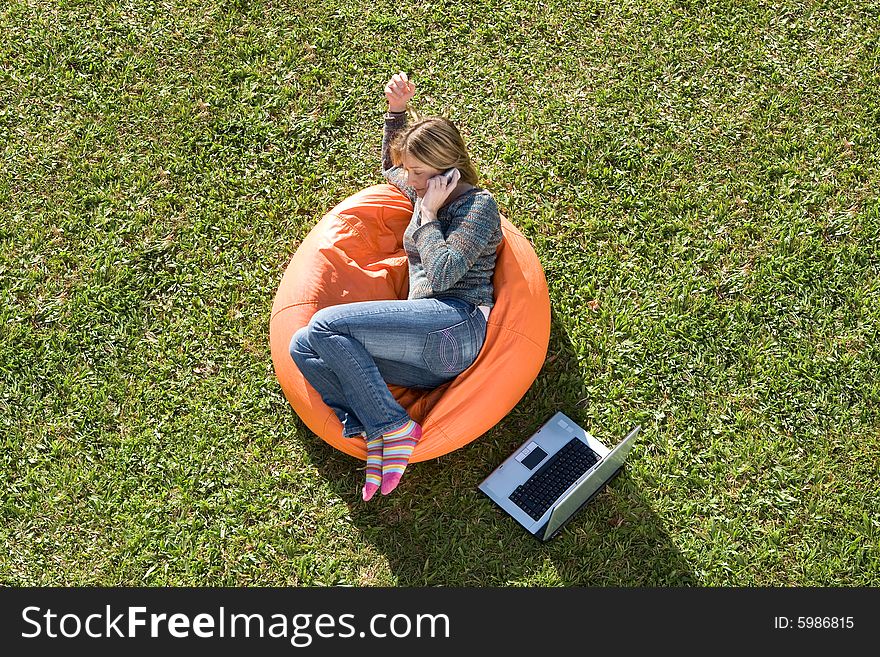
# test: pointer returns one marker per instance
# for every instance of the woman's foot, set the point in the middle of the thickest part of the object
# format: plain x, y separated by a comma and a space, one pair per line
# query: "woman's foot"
397, 447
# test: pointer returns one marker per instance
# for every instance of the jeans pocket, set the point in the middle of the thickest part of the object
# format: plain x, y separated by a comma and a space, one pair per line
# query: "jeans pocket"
452, 350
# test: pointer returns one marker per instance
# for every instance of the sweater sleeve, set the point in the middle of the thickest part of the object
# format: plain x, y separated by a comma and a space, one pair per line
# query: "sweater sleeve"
447, 258
394, 123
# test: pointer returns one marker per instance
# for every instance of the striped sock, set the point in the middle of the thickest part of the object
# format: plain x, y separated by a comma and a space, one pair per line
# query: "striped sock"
397, 448
374, 468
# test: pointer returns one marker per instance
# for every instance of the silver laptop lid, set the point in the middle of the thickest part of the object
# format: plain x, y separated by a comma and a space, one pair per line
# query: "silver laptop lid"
581, 491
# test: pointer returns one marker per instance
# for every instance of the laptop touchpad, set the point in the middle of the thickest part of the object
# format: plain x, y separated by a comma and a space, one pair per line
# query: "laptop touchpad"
531, 456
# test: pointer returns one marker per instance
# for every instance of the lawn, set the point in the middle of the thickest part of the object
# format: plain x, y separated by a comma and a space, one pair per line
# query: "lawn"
699, 180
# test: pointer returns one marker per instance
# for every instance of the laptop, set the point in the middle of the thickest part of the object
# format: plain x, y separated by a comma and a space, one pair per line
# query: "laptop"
553, 474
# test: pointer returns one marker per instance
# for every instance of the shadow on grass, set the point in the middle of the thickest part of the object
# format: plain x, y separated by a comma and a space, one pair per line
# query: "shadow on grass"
437, 528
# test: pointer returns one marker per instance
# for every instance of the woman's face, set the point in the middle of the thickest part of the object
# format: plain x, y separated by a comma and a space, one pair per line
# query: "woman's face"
417, 174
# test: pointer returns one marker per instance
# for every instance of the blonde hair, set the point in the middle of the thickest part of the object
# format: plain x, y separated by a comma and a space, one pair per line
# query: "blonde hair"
435, 141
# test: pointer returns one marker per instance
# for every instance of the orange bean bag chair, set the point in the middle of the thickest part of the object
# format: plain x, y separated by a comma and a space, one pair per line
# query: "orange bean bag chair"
355, 253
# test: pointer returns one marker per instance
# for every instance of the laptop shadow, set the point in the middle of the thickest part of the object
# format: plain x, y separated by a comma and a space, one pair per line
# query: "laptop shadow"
438, 529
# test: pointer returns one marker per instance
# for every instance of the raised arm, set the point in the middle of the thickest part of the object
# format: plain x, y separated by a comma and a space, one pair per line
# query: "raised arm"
394, 123
398, 92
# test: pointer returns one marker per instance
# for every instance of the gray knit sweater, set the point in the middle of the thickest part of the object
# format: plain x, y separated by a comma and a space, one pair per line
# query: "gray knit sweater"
454, 256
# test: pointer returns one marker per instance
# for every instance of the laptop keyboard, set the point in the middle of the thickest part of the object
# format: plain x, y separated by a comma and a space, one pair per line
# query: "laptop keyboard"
549, 482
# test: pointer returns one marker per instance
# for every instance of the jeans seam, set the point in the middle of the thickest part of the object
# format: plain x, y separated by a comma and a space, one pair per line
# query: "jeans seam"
331, 323
364, 313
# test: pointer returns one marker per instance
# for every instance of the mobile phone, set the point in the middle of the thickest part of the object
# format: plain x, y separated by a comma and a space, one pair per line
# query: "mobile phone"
448, 174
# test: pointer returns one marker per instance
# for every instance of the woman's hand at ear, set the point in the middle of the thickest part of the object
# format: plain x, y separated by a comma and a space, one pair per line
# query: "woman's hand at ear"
438, 190
399, 91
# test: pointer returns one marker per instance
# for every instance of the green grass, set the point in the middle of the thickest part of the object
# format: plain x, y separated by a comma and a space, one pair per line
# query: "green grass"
707, 171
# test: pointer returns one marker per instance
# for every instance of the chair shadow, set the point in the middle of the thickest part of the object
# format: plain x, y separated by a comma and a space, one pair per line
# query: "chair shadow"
453, 535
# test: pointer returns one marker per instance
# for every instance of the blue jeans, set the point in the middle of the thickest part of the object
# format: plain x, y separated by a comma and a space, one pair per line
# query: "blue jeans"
351, 352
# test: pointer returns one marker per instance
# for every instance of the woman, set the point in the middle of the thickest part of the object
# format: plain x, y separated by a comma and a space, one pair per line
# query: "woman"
350, 352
